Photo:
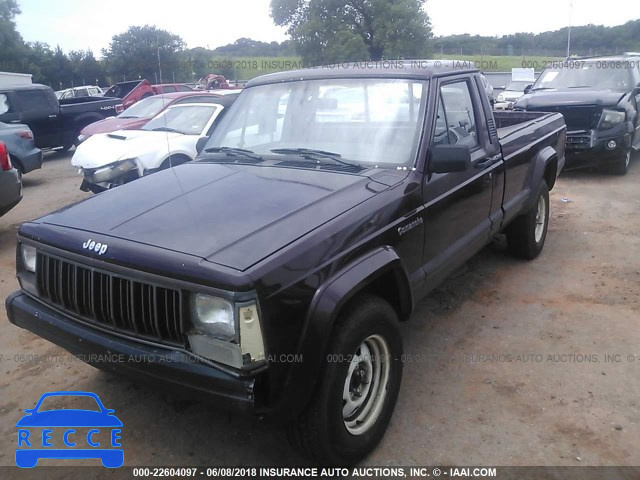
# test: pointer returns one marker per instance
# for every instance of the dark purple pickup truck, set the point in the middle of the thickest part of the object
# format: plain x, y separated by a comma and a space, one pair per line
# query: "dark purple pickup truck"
271, 274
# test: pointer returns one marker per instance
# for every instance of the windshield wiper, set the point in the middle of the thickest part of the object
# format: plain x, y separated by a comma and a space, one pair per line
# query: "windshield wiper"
310, 153
233, 151
580, 86
165, 129
541, 88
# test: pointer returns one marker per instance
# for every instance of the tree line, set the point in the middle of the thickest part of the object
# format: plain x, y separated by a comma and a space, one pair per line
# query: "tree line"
585, 40
321, 32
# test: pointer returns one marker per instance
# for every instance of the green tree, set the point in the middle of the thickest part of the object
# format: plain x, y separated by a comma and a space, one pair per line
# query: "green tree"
143, 52
339, 30
12, 47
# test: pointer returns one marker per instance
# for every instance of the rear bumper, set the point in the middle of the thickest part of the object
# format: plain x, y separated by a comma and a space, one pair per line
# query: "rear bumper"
32, 160
10, 190
164, 367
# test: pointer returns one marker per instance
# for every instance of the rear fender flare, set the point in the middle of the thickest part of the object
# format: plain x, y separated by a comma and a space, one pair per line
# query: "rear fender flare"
543, 159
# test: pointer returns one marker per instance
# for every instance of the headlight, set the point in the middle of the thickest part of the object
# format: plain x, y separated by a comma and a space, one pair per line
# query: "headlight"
29, 255
114, 170
611, 118
214, 316
500, 98
81, 138
225, 331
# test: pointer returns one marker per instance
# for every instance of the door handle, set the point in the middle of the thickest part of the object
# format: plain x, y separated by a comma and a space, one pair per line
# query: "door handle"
53, 116
487, 163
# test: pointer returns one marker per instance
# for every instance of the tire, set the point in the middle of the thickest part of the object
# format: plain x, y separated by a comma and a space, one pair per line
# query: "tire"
527, 233
172, 161
323, 433
620, 166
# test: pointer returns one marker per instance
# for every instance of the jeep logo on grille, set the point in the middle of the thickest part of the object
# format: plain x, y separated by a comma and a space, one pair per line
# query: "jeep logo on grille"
92, 246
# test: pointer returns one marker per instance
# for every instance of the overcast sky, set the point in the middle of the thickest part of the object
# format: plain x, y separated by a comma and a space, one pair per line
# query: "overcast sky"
82, 24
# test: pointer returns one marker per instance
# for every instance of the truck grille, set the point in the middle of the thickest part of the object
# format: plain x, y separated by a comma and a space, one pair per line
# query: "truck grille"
136, 308
578, 117
578, 142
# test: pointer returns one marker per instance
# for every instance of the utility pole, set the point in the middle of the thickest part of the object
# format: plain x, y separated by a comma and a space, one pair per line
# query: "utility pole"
159, 65
569, 33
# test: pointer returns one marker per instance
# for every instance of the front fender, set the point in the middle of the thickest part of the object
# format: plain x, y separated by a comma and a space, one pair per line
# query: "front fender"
322, 314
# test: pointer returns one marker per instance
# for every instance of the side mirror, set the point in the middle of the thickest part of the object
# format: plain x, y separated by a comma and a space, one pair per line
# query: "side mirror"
450, 158
527, 89
636, 91
200, 144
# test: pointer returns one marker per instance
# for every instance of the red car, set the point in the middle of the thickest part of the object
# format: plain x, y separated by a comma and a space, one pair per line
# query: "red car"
133, 91
138, 115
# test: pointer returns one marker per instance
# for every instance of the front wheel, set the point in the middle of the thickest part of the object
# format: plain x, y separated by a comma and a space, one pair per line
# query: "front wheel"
527, 233
620, 166
358, 388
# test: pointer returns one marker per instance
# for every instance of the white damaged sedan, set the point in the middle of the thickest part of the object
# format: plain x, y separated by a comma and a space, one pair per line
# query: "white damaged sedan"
169, 139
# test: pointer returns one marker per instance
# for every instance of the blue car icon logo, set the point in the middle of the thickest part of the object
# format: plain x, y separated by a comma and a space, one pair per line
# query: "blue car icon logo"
79, 433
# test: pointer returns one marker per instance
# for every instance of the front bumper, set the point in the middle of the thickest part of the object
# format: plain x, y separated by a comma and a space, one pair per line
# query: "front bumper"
587, 148
154, 365
10, 190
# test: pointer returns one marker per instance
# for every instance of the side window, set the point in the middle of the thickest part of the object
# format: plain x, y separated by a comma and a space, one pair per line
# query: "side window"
32, 100
459, 114
441, 133
168, 89
183, 88
5, 104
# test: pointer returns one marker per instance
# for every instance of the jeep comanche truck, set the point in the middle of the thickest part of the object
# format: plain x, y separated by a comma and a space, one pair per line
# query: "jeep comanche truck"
270, 275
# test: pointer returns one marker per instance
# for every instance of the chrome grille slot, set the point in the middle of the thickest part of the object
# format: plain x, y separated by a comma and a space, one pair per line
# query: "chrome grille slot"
110, 300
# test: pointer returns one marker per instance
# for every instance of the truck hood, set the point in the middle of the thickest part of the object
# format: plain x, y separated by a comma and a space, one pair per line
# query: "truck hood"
569, 96
112, 124
106, 148
232, 215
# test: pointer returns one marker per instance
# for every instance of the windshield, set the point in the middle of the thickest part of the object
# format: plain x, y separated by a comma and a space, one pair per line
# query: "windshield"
518, 86
367, 121
146, 108
590, 74
185, 119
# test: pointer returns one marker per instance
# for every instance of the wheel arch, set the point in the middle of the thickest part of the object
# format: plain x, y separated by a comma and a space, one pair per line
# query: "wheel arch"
545, 168
375, 272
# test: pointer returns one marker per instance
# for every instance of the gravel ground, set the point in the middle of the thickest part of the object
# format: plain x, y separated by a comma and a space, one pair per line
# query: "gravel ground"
508, 363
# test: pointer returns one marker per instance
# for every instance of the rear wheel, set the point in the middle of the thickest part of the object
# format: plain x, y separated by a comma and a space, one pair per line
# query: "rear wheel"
620, 166
358, 387
527, 233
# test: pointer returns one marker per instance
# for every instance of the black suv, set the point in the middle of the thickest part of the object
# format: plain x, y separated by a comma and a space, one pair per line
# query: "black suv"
599, 98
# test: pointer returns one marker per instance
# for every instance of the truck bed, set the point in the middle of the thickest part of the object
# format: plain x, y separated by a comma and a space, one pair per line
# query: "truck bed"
517, 130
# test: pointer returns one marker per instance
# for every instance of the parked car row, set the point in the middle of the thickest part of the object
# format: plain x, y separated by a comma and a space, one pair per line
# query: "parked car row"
169, 139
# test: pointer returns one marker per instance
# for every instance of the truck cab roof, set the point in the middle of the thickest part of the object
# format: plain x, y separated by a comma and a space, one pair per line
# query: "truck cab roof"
422, 69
